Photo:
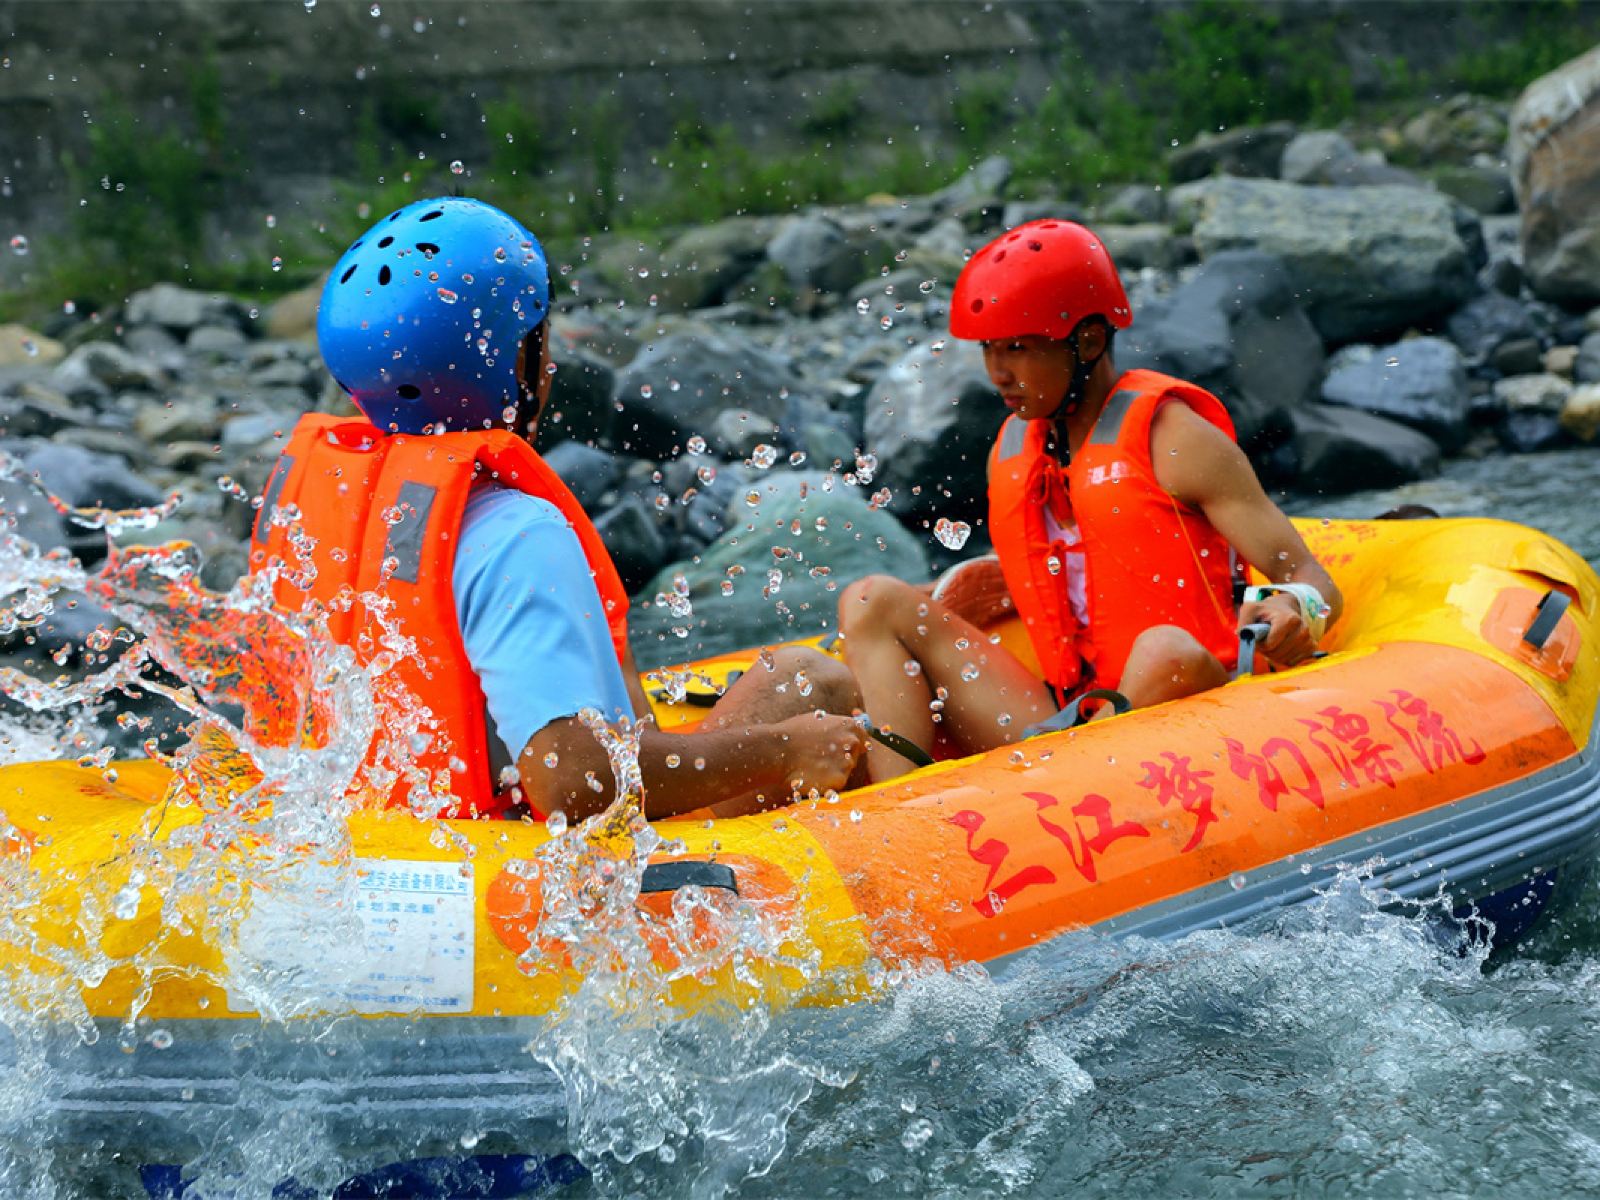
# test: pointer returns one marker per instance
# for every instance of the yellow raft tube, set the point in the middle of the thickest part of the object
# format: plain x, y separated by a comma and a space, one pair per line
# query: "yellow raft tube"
1438, 740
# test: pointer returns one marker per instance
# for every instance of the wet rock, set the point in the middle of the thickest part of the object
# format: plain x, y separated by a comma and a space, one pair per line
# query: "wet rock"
1362, 260
91, 372
180, 309
677, 385
1586, 367
21, 346
216, 341
1138, 247
698, 268
1484, 189
1324, 158
817, 255
154, 343
1531, 431
1454, 131
817, 543
1253, 151
1346, 450
1136, 204
288, 373
178, 421
634, 537
930, 420
1554, 152
1485, 322
114, 442
979, 188
33, 410
736, 432
589, 472
1580, 415
1561, 360
1519, 356
35, 519
1533, 393
1234, 329
1019, 212
294, 317
1420, 382
249, 431
81, 477
582, 405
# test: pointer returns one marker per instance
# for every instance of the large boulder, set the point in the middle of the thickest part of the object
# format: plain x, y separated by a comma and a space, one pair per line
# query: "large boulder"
1363, 260
930, 420
1421, 382
1236, 330
1322, 156
1345, 450
700, 266
1487, 322
818, 255
83, 478
180, 310
1253, 150
582, 405
678, 384
1554, 151
816, 536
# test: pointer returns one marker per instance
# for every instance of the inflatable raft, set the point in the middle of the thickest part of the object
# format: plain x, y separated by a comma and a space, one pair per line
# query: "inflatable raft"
1446, 740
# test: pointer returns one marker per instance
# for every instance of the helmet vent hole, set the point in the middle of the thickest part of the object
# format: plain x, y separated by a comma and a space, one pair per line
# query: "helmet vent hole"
427, 247
1036, 246
345, 278
395, 215
1051, 225
357, 246
977, 306
434, 215
388, 241
409, 391
384, 276
999, 254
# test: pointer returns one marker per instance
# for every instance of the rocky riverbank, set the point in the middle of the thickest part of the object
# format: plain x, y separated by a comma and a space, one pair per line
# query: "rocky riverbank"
760, 410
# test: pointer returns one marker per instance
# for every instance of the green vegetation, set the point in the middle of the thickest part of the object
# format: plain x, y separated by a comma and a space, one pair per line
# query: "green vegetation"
1551, 33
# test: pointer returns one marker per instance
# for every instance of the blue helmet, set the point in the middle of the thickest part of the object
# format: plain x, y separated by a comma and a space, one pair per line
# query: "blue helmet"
422, 318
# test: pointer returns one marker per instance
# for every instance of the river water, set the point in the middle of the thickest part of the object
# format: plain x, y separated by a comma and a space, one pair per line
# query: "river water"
1342, 1048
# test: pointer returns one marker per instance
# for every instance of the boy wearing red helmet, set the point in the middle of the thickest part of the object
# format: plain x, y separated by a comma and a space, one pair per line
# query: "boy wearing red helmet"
1117, 504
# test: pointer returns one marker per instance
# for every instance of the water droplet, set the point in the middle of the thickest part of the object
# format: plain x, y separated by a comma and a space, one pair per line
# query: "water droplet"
470, 1140
1237, 881
448, 296
160, 1039
969, 671
886, 322
952, 535
19, 244
925, 286
913, 668
646, 391
863, 306
696, 444
763, 456
673, 760
125, 905
917, 1134
376, 11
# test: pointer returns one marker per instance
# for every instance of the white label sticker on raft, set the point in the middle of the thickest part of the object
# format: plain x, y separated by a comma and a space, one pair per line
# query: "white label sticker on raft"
418, 921
399, 939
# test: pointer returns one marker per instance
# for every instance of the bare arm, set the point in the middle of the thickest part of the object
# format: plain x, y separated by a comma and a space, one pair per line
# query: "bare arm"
1202, 467
754, 767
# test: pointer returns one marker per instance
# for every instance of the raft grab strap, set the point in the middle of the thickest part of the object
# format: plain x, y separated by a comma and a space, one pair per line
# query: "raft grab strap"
1249, 635
1546, 617
670, 876
702, 699
903, 746
1071, 716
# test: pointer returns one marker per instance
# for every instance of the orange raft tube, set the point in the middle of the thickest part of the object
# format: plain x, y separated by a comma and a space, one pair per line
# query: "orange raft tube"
1436, 741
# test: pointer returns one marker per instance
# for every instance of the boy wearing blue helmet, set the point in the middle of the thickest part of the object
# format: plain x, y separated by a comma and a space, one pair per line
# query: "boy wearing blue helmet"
435, 324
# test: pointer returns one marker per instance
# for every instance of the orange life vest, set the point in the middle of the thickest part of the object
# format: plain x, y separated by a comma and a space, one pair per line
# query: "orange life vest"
383, 514
1149, 559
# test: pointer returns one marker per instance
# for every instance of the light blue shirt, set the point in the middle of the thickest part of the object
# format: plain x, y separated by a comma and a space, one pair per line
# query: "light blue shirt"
531, 617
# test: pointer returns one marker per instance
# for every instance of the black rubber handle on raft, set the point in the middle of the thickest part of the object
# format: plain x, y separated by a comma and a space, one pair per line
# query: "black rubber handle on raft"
702, 699
1071, 716
1546, 617
1248, 637
670, 876
903, 746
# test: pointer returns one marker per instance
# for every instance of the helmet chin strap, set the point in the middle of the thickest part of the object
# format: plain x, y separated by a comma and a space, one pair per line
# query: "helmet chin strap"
1072, 399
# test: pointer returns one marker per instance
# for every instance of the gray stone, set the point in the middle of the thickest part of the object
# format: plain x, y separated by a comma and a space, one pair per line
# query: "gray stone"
816, 254
1254, 151
177, 421
36, 411
1362, 260
216, 341
81, 477
1323, 157
589, 472
1531, 431
1019, 212
152, 342
1235, 329
982, 185
678, 384
1554, 153
840, 539
1533, 393
90, 372
1484, 189
251, 430
698, 268
1346, 450
1587, 367
930, 420
582, 405
1136, 204
36, 521
1137, 247
1480, 326
181, 310
1455, 131
1580, 416
736, 432
634, 537
1519, 356
287, 372
1421, 382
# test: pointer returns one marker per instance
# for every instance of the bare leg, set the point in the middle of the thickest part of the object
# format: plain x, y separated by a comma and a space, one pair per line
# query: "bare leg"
1168, 663
907, 650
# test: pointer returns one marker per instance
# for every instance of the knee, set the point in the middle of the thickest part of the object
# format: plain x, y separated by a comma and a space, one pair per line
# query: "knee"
874, 603
832, 685
1171, 650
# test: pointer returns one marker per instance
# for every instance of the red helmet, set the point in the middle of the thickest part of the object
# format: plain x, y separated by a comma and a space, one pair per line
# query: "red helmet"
1039, 278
